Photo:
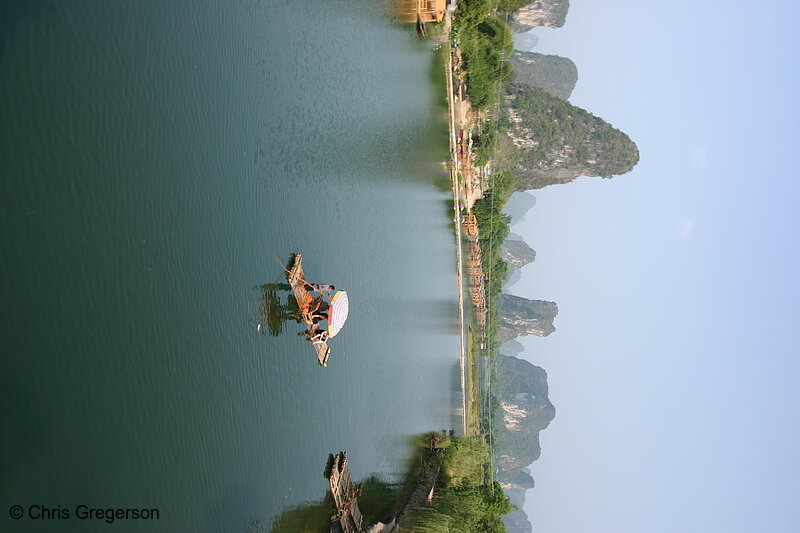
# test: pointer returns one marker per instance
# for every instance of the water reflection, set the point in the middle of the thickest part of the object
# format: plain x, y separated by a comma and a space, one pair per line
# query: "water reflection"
310, 517
277, 307
274, 314
378, 502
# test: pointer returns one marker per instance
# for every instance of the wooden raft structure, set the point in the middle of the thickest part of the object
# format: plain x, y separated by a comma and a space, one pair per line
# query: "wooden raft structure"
345, 495
297, 280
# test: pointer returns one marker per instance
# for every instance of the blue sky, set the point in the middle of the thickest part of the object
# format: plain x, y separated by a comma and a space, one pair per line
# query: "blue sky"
675, 362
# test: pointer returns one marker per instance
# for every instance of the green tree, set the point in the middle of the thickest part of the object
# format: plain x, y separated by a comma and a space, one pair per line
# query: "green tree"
484, 47
495, 502
470, 13
465, 459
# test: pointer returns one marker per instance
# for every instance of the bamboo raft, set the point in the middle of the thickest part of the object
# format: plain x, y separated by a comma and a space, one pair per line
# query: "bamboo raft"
297, 280
345, 495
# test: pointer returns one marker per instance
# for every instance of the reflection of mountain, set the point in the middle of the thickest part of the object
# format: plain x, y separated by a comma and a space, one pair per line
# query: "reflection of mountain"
555, 74
525, 410
520, 317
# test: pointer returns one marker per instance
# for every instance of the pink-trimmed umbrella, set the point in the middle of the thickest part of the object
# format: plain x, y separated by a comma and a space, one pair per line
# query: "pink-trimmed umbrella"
337, 313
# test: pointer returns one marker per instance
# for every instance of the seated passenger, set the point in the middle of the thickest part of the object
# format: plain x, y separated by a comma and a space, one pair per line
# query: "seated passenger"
306, 308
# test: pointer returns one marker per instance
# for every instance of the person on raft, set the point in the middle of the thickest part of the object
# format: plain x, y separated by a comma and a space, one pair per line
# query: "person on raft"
306, 307
327, 290
319, 309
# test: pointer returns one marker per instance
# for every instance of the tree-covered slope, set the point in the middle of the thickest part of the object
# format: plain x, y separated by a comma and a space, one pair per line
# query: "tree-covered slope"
555, 74
557, 142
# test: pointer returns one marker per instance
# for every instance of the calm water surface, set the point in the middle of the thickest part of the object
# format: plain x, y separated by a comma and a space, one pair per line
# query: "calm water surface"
158, 161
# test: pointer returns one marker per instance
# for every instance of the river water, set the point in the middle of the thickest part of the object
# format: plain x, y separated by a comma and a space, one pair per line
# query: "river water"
161, 159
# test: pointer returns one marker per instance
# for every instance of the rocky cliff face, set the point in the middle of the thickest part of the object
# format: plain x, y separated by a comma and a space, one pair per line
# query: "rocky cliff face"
525, 410
516, 254
557, 142
549, 13
520, 317
555, 74
522, 480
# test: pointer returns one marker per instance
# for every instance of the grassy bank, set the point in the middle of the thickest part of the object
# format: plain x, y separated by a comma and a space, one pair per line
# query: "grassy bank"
463, 501
473, 413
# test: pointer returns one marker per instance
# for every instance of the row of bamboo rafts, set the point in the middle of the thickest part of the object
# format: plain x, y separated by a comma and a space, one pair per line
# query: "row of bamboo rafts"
297, 280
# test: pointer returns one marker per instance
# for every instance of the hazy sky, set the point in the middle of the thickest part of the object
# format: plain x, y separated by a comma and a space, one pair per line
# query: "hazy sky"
675, 363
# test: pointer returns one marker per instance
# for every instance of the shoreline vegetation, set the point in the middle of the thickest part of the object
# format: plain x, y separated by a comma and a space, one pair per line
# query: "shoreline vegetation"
444, 489
469, 499
450, 484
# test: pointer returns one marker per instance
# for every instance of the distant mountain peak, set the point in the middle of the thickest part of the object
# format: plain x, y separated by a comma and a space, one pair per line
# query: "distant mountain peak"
517, 520
555, 74
520, 317
525, 410
526, 41
548, 13
516, 254
557, 142
517, 208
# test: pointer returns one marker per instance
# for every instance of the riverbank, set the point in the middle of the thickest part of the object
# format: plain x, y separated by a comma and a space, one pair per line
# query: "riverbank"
445, 489
466, 191
457, 225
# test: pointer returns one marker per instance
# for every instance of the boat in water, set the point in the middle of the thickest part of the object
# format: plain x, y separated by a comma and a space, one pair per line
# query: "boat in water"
317, 336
